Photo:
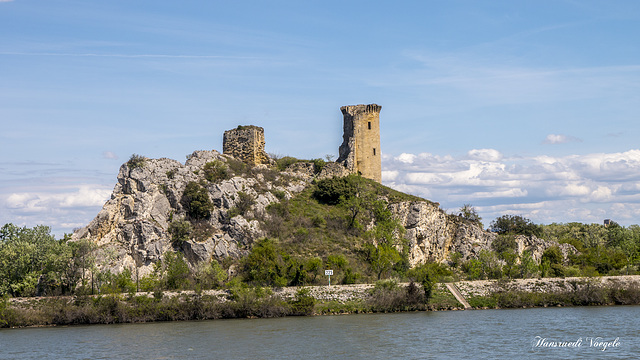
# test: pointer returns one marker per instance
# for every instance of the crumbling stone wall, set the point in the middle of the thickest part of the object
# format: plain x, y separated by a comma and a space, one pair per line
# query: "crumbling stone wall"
360, 149
246, 143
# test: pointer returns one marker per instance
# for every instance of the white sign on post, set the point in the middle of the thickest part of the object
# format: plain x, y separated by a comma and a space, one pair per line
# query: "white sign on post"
329, 273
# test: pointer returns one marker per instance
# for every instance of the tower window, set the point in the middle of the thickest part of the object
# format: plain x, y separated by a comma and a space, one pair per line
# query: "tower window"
374, 151
369, 125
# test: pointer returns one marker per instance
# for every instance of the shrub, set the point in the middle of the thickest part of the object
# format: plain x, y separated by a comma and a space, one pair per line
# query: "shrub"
333, 191
468, 212
244, 203
318, 164
428, 275
237, 167
350, 276
284, 162
177, 272
136, 161
303, 303
180, 231
196, 201
516, 225
504, 243
216, 170
263, 265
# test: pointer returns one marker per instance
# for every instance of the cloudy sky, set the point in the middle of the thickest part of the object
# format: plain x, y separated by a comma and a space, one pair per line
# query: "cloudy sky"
515, 107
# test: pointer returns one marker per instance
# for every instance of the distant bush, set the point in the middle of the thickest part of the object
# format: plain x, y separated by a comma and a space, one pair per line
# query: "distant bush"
216, 170
515, 225
136, 161
284, 162
180, 231
318, 164
244, 203
237, 167
333, 191
468, 212
196, 201
303, 303
504, 243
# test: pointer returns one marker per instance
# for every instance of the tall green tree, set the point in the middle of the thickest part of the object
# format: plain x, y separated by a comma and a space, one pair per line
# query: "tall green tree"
33, 262
515, 225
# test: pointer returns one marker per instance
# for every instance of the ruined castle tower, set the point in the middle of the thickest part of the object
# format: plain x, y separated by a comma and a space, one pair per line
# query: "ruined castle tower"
360, 149
245, 143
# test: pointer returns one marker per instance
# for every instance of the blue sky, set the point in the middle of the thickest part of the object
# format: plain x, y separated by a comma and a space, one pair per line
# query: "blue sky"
517, 107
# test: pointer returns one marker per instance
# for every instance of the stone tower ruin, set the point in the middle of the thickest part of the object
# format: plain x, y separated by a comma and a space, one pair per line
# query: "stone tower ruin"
245, 143
360, 149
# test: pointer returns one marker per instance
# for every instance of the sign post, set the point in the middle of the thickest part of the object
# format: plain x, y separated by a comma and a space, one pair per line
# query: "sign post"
329, 273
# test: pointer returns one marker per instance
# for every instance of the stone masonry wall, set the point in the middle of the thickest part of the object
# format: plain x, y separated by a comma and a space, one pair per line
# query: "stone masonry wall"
246, 143
360, 149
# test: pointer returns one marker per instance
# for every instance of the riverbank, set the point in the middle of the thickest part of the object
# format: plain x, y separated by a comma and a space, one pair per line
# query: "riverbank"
570, 291
247, 302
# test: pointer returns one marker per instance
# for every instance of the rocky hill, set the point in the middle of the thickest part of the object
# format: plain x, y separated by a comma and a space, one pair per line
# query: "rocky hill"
215, 207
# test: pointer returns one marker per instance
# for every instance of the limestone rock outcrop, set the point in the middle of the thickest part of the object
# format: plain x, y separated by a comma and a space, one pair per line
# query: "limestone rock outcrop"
433, 235
133, 227
537, 246
137, 225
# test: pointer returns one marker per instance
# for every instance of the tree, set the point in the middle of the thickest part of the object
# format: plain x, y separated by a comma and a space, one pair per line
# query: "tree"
264, 265
33, 262
515, 225
177, 271
527, 267
428, 275
215, 171
382, 258
468, 212
195, 199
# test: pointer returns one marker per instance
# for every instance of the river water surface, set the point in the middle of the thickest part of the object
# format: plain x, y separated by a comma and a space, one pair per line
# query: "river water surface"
581, 332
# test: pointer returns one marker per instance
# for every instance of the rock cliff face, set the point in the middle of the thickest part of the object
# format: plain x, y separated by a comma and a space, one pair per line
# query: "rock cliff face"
136, 227
433, 234
132, 229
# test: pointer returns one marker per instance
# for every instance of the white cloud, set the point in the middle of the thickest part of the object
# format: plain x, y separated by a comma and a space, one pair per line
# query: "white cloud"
485, 154
560, 139
109, 155
585, 188
406, 158
84, 196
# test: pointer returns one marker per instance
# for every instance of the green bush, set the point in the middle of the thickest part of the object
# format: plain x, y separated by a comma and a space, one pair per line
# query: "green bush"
333, 191
318, 164
196, 201
468, 212
284, 162
180, 231
136, 161
515, 225
244, 203
215, 171
504, 243
304, 303
177, 271
350, 276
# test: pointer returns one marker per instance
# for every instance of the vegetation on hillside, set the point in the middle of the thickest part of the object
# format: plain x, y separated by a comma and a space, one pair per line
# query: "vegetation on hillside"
343, 224
602, 250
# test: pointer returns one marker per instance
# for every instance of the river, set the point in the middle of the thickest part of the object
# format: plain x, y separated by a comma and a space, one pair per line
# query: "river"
578, 333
